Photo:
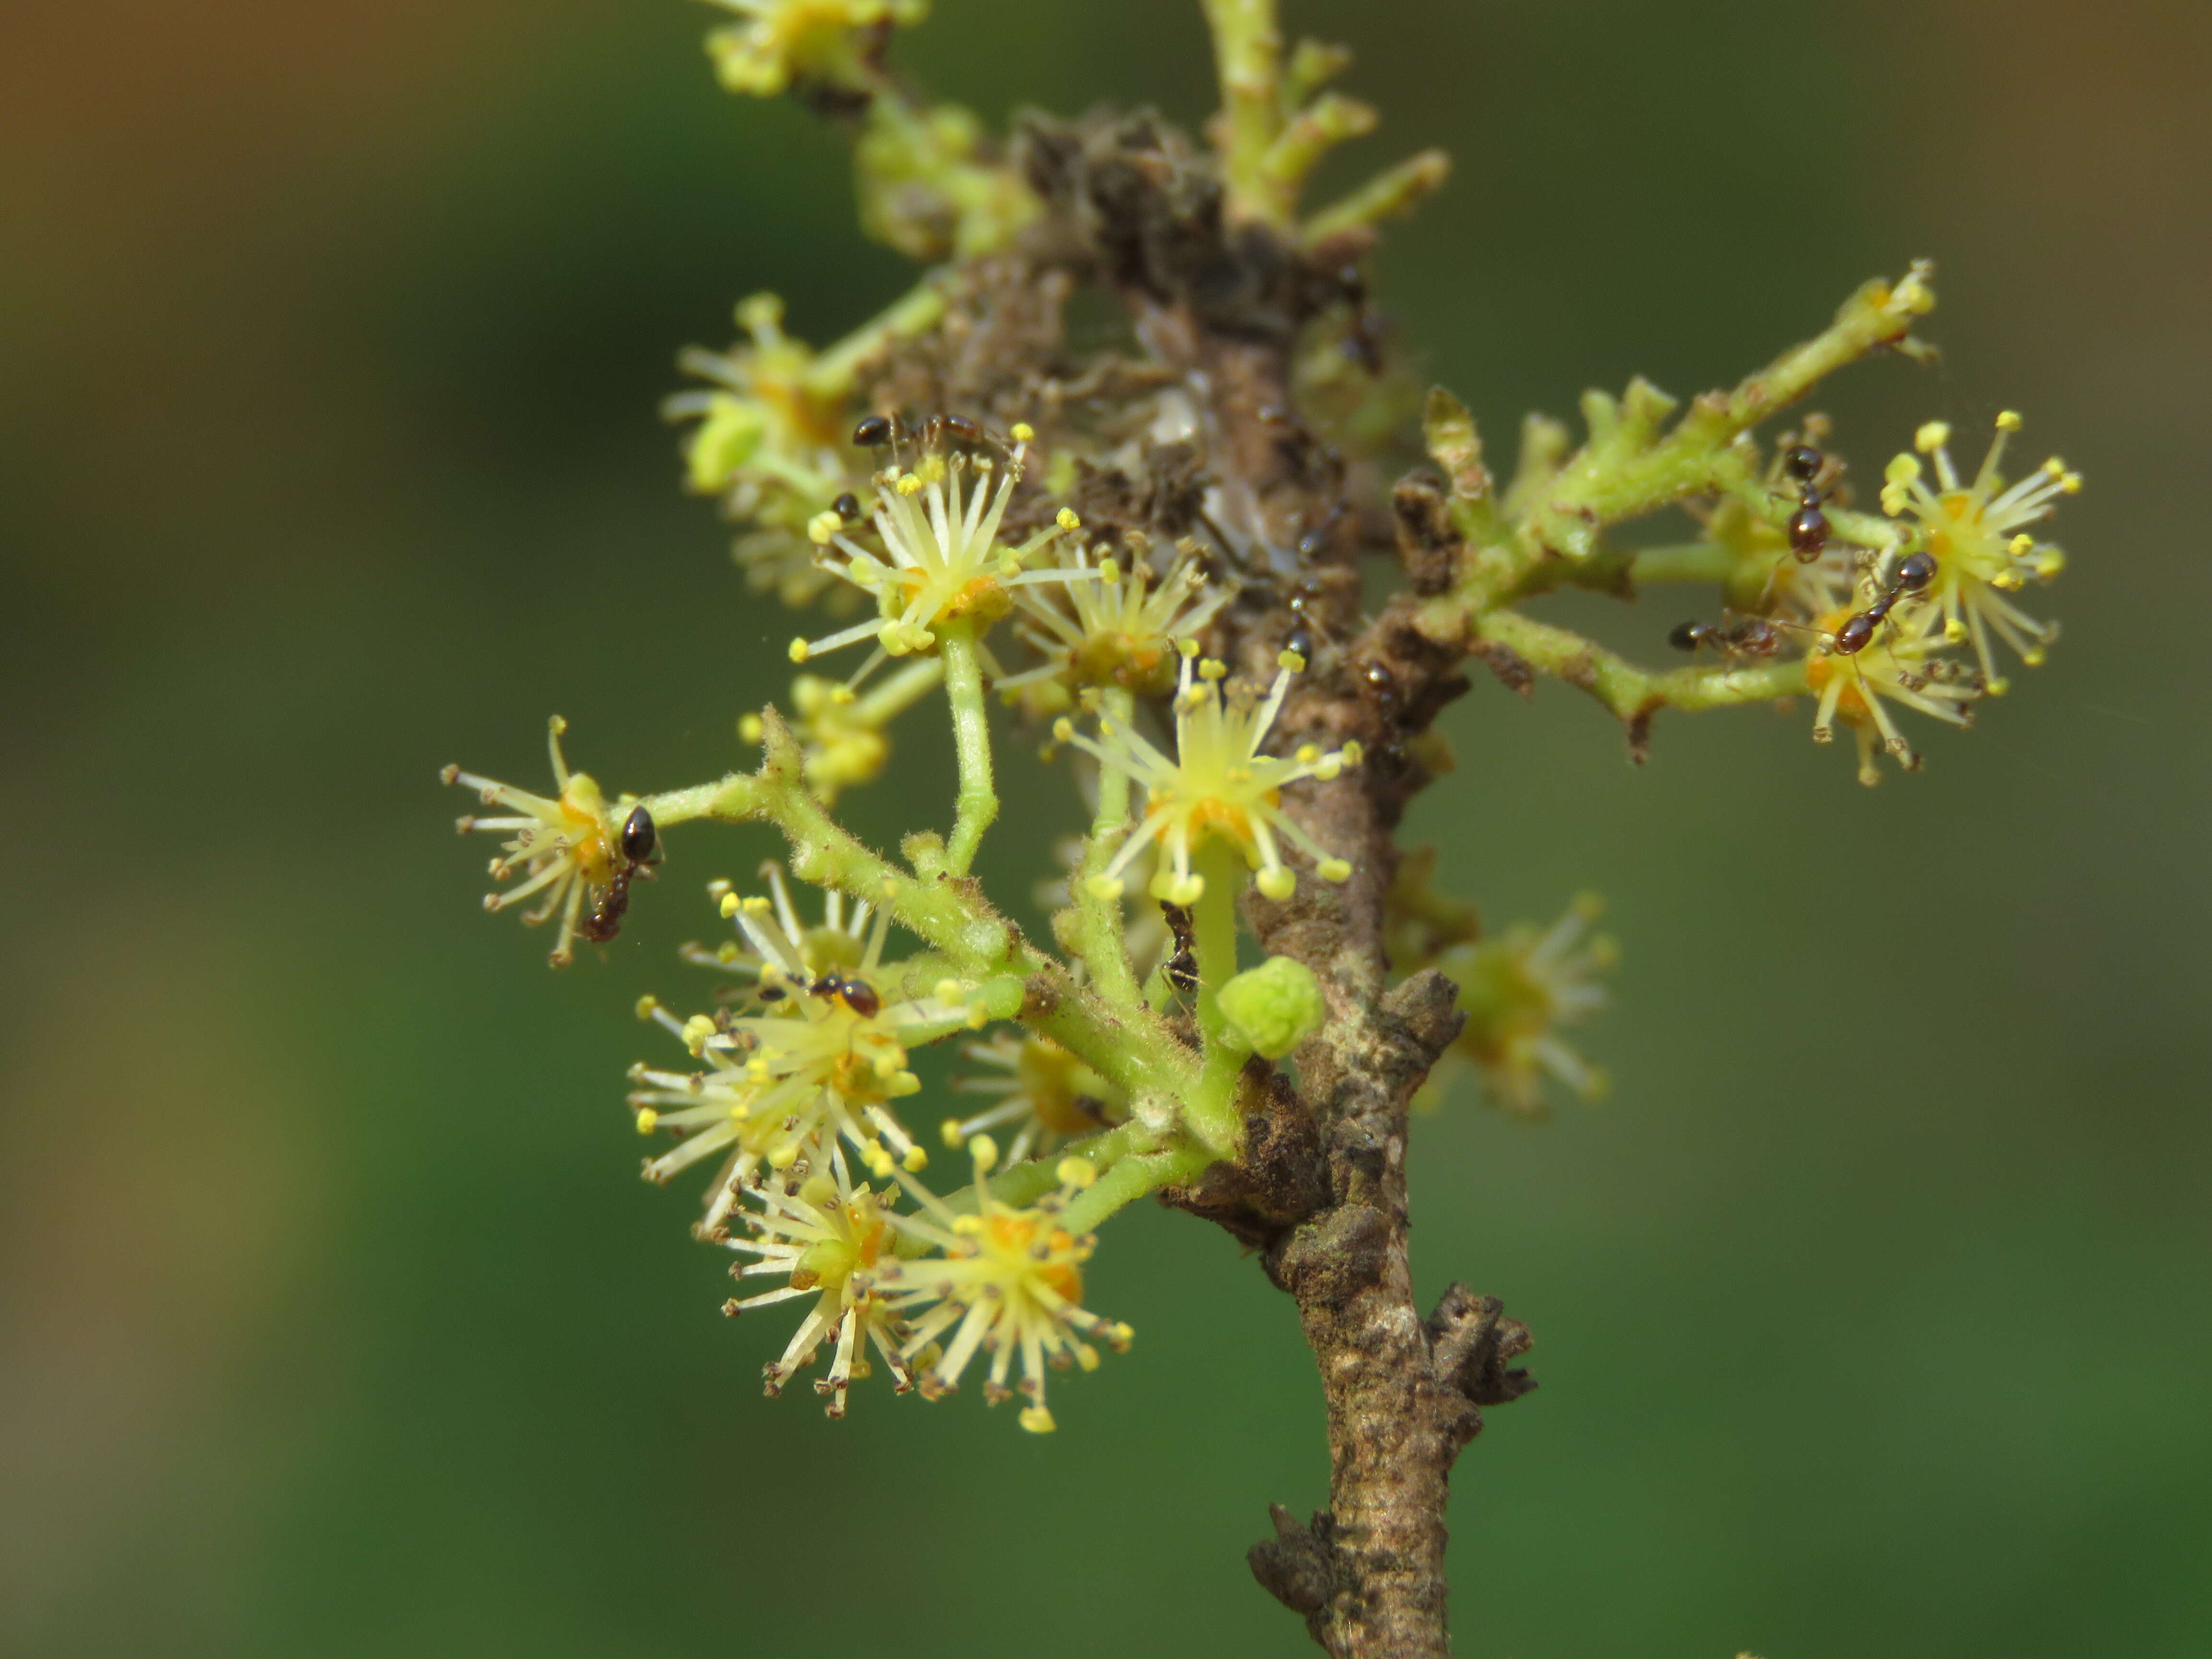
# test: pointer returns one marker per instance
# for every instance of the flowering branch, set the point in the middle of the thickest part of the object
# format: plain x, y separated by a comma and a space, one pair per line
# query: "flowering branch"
1155, 553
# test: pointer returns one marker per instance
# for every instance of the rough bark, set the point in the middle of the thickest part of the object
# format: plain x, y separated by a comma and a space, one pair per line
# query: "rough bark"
1320, 1189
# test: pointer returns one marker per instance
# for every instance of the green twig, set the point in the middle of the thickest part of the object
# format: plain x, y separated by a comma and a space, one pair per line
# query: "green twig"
1099, 938
1130, 1179
1247, 53
1390, 194
977, 802
1630, 691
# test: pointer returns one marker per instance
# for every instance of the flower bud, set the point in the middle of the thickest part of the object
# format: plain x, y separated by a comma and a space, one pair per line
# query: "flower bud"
1273, 1008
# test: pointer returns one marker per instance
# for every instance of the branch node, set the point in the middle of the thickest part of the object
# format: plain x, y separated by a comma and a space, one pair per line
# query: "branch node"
1297, 1566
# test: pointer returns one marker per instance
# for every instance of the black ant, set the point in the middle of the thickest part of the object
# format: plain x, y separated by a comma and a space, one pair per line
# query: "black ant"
1914, 572
1739, 636
874, 431
637, 841
1809, 528
1182, 967
856, 994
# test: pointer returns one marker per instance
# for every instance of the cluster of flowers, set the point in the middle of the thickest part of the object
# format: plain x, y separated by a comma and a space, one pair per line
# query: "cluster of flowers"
1883, 621
794, 1099
799, 1071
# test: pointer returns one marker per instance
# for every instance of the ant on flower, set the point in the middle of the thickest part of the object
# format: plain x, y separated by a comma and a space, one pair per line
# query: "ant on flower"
636, 843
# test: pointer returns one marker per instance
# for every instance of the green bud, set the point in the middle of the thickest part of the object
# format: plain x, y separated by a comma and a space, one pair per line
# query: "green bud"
725, 441
1273, 1008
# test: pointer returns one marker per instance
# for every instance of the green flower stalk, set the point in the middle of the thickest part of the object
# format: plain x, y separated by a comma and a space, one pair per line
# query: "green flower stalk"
1179, 532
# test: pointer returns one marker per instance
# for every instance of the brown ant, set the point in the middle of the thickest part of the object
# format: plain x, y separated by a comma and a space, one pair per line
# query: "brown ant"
637, 841
855, 994
1809, 528
1914, 572
1182, 967
1738, 637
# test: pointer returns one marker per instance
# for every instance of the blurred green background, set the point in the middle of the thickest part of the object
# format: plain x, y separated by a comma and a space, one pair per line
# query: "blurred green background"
1871, 1311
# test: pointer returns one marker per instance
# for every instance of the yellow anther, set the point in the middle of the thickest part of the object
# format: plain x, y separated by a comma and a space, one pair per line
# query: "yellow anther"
2071, 483
697, 1030
1023, 433
1106, 888
1188, 647
647, 1005
2020, 546
1086, 1357
978, 1017
916, 1160
1335, 870
1954, 630
1037, 1419
799, 650
1309, 753
1009, 565
731, 904
909, 484
1075, 1172
1291, 661
1932, 436
949, 1132
1902, 469
558, 727
984, 1150
1108, 571
844, 696
647, 1120
2008, 421
1212, 669
758, 905
1277, 884
1063, 729
750, 729
1353, 752
1065, 518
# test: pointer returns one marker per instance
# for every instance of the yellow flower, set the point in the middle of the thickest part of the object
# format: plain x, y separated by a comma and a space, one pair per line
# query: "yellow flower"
1220, 785
568, 847
769, 443
942, 559
1003, 1281
1976, 534
1517, 991
776, 42
828, 1240
844, 737
1119, 630
820, 1065
1899, 663
837, 944
1045, 1096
